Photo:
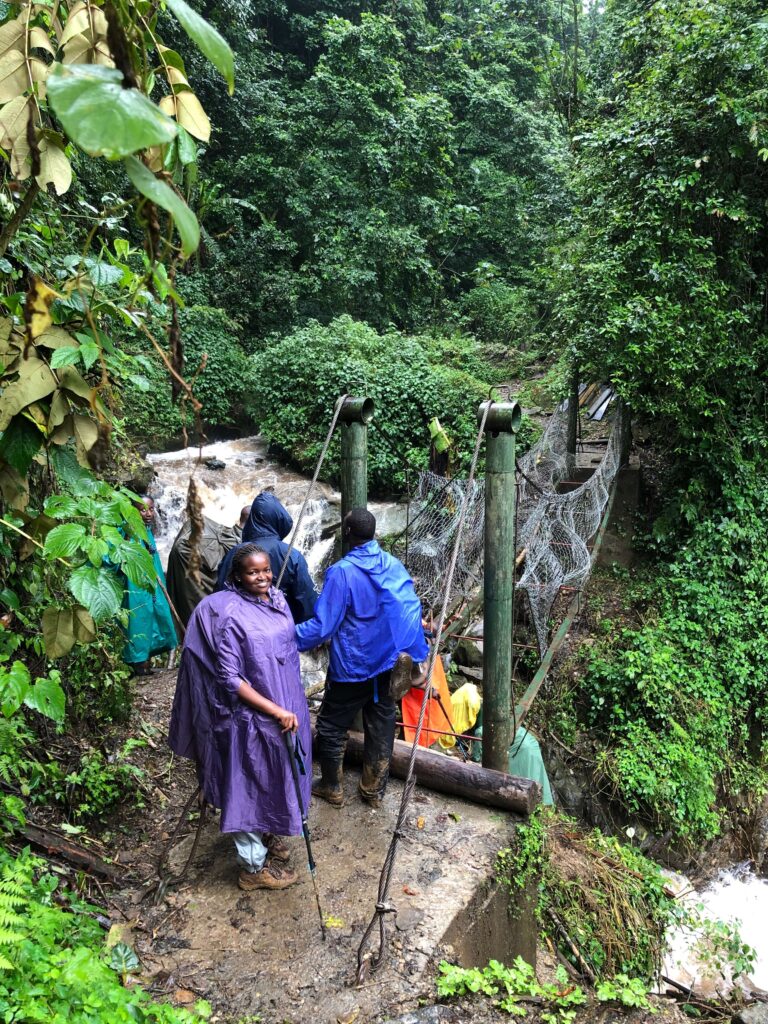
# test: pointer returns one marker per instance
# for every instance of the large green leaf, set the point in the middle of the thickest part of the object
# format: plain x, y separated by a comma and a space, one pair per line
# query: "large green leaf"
58, 631
213, 45
100, 591
101, 116
65, 540
47, 697
14, 686
61, 506
163, 195
20, 443
71, 475
136, 562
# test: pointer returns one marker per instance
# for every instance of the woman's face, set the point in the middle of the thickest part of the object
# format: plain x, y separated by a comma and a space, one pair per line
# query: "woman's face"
147, 511
255, 575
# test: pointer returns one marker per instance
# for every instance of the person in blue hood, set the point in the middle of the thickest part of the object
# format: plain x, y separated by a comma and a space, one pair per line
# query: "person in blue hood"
370, 612
267, 524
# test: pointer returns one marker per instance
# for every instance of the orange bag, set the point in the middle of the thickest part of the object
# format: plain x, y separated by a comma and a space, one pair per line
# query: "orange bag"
434, 717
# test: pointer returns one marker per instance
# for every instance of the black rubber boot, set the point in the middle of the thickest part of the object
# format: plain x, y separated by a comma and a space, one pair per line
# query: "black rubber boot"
373, 782
328, 787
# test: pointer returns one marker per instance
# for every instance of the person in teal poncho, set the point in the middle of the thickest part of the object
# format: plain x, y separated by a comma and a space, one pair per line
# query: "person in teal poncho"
150, 625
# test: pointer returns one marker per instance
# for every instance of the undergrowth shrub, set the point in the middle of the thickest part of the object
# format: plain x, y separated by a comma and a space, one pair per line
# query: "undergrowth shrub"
54, 966
150, 413
297, 379
595, 895
681, 702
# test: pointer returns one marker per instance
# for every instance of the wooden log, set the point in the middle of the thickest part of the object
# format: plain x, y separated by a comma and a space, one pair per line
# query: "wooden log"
458, 778
54, 843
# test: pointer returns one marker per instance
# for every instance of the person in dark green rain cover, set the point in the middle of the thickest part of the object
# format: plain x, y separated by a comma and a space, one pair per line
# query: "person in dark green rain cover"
150, 627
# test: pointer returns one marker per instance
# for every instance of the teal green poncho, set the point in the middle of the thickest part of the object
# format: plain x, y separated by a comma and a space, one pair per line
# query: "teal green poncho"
150, 626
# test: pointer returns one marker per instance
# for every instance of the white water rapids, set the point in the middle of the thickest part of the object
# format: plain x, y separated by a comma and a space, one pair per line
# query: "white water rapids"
247, 471
737, 896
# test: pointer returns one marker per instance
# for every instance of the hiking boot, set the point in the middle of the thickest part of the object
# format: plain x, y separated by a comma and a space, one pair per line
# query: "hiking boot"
271, 876
328, 786
373, 782
276, 848
400, 676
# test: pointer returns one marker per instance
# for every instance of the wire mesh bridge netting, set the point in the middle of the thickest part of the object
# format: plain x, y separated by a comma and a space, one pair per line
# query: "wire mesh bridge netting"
554, 528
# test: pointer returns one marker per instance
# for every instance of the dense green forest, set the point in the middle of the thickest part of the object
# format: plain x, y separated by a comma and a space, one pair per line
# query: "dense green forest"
421, 200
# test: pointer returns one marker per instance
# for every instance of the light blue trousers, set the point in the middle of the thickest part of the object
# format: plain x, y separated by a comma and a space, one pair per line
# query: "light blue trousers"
251, 850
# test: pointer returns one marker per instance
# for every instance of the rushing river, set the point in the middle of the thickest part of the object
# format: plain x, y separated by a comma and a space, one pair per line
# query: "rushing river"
737, 895
248, 470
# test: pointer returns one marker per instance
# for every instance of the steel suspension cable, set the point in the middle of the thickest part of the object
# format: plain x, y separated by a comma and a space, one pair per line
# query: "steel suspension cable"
382, 907
318, 467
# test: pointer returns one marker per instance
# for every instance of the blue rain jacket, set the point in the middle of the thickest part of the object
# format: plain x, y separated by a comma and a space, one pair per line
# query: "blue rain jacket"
267, 524
369, 611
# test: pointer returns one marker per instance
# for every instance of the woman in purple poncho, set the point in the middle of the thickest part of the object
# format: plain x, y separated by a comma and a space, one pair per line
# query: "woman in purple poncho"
239, 690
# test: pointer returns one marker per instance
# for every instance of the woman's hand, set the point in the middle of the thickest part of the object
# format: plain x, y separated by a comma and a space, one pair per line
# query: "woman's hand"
288, 721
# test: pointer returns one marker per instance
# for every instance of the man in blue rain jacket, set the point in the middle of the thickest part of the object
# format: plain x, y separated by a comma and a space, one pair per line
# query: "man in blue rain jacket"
370, 612
267, 524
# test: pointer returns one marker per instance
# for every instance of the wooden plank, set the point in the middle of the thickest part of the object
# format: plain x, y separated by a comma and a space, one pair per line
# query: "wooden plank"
58, 845
467, 780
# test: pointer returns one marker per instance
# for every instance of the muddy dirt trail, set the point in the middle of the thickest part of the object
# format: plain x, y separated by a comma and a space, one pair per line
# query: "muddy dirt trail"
261, 953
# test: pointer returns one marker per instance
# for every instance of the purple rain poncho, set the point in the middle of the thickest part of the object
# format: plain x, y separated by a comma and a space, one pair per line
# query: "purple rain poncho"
241, 755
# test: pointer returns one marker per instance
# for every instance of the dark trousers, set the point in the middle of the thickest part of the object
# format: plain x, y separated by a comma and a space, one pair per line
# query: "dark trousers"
341, 703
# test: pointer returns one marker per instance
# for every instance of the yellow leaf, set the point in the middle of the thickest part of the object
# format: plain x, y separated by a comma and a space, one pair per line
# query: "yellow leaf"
13, 75
176, 77
154, 157
37, 312
38, 39
86, 48
190, 115
54, 167
86, 433
72, 381
13, 120
85, 629
38, 69
56, 337
64, 431
35, 381
12, 35
58, 631
77, 22
59, 411
21, 161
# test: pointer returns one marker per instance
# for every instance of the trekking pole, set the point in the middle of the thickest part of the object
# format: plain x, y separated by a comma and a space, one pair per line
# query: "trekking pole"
304, 826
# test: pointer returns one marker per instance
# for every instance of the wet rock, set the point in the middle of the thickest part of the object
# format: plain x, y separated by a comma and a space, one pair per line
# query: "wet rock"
214, 463
468, 653
408, 918
475, 674
754, 1013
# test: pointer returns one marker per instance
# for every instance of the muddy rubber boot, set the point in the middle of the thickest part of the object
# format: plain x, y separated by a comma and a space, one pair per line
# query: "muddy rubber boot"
328, 786
373, 782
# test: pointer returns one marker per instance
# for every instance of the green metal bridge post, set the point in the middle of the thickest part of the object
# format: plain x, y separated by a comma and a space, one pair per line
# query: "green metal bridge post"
499, 580
356, 414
